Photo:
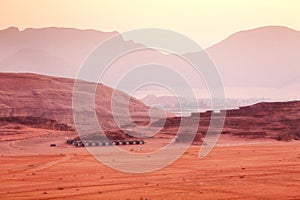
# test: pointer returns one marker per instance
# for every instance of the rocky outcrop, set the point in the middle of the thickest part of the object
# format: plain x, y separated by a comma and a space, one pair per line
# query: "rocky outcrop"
34, 122
31, 95
276, 120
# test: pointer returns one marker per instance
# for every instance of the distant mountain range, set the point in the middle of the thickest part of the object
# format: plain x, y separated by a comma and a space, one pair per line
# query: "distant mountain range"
266, 57
185, 106
49, 51
262, 57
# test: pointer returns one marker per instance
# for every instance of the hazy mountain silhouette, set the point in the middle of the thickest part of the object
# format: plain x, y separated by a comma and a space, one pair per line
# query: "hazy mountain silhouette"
262, 57
266, 57
51, 51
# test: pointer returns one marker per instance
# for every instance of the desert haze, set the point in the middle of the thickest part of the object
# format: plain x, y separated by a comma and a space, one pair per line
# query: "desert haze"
264, 60
256, 157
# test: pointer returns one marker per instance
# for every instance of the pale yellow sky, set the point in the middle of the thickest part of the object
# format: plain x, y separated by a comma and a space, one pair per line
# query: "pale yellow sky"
207, 22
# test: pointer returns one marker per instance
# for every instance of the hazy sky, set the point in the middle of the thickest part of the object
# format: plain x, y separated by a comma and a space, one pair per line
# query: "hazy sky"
207, 22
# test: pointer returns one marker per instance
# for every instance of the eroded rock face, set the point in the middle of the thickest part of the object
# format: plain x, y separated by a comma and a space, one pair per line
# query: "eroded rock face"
31, 95
278, 120
34, 122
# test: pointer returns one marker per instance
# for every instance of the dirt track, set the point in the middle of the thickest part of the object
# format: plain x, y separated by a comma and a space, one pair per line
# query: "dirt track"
262, 170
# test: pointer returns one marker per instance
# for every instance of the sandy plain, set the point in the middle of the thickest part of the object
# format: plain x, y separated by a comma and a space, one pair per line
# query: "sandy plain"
235, 169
